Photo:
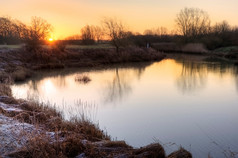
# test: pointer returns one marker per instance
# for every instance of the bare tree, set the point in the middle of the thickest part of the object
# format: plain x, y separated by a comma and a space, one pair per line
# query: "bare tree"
149, 32
159, 31
98, 33
116, 32
11, 31
38, 31
162, 31
221, 28
20, 29
192, 22
6, 29
6, 26
88, 34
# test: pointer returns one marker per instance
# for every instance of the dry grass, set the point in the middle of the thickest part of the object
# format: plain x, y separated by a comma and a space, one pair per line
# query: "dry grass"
95, 57
135, 54
152, 150
181, 153
5, 90
117, 144
54, 137
42, 145
194, 48
5, 78
20, 74
68, 135
52, 120
167, 47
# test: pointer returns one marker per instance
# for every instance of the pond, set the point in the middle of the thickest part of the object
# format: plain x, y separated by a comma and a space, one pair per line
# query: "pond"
173, 102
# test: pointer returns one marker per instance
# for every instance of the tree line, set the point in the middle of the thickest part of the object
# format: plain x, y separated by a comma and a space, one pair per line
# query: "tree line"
192, 25
14, 31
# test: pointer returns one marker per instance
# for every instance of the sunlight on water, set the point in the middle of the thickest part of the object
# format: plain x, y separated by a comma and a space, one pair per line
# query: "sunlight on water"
192, 104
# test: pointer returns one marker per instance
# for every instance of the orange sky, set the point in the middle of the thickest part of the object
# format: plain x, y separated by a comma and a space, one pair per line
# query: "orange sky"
69, 16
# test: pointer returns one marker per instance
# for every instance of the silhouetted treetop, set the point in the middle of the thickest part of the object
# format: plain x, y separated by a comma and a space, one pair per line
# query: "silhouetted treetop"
192, 22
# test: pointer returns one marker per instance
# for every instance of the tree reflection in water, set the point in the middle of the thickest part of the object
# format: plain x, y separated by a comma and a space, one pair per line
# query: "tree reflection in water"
121, 84
236, 77
193, 77
118, 87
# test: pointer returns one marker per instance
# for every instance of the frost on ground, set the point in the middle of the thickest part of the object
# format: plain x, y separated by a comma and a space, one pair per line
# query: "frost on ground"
10, 132
14, 134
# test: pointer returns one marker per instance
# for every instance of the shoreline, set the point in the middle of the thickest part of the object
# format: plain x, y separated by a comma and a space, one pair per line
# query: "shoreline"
36, 127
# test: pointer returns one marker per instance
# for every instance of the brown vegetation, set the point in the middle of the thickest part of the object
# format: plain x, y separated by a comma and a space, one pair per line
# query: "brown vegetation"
91, 34
5, 90
181, 153
152, 150
20, 74
194, 48
40, 146
82, 78
121, 144
54, 137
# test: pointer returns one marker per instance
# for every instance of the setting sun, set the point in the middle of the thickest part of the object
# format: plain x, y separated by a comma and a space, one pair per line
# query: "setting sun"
164, 78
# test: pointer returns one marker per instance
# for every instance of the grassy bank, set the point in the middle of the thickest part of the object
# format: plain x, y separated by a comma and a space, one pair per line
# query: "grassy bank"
20, 64
227, 53
40, 131
51, 136
34, 129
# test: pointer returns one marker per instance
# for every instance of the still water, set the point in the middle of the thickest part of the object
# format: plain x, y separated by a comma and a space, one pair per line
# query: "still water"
173, 102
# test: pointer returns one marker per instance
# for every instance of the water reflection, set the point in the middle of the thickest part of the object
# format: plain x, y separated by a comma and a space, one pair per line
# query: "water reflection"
193, 77
115, 81
152, 101
117, 88
235, 71
121, 84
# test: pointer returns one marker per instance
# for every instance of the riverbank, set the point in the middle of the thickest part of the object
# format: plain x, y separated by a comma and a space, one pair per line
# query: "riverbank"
30, 129
20, 64
226, 54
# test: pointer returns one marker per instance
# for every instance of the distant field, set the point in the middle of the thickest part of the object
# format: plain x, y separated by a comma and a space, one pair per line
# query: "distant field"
96, 46
10, 46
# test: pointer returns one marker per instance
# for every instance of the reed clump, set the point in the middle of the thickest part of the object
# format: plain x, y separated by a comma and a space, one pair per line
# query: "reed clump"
82, 79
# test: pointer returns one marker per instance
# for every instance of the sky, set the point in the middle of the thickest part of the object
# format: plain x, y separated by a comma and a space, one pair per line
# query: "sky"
69, 16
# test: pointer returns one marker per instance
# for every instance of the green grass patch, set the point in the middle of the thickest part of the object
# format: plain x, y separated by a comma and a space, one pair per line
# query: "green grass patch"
10, 46
95, 46
226, 49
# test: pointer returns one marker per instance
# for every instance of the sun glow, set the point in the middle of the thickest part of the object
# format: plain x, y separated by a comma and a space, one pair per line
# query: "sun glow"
51, 39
